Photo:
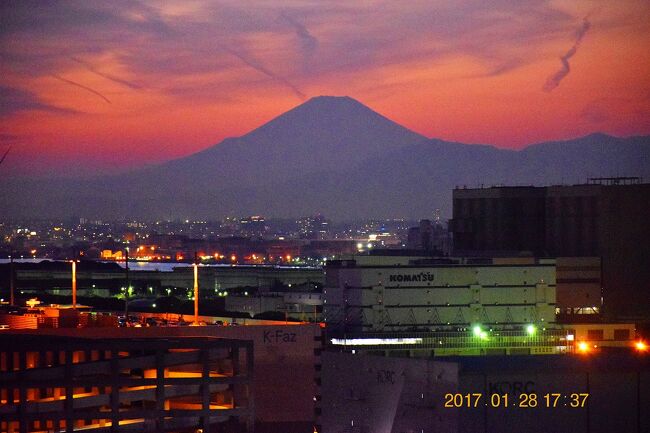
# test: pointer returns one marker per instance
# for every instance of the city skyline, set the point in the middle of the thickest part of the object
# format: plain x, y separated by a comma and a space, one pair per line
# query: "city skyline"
92, 87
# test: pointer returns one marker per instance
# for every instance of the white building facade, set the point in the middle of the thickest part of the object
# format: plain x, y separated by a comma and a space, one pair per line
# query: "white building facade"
393, 294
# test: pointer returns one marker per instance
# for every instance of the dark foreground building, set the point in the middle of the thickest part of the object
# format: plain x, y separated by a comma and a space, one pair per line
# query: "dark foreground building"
607, 218
183, 379
595, 393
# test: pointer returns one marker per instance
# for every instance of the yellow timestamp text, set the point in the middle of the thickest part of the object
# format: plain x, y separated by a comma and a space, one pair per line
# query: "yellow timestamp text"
525, 400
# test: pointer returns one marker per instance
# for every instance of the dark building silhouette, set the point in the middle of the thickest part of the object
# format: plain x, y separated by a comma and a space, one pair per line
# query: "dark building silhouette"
429, 237
607, 218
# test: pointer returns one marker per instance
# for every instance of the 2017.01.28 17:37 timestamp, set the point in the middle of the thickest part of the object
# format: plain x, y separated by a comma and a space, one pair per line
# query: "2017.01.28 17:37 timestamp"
525, 400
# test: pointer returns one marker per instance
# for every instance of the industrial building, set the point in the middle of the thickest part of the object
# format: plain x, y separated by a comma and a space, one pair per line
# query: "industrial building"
606, 218
421, 306
102, 279
382, 293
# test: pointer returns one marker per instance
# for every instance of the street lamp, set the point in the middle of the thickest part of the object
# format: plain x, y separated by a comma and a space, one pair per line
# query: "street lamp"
196, 292
128, 284
11, 279
74, 284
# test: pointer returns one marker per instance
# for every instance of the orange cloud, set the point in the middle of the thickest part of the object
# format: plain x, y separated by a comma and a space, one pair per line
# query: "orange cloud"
183, 76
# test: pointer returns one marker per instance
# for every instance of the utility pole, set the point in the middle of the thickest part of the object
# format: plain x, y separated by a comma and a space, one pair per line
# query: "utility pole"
196, 291
128, 284
11, 280
74, 283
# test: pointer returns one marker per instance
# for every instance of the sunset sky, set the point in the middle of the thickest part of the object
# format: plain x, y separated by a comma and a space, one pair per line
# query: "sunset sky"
88, 86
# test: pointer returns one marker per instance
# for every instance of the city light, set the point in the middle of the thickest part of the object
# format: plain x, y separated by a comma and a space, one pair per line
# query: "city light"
477, 330
74, 284
531, 329
583, 347
196, 294
641, 346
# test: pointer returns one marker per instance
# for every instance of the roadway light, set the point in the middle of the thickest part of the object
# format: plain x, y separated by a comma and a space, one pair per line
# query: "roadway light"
74, 284
531, 329
640, 346
583, 347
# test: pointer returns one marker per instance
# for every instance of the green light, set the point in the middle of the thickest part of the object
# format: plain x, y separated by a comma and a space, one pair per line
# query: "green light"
477, 331
484, 335
530, 329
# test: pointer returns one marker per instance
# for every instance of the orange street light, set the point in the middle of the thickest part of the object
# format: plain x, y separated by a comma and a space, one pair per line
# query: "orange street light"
74, 284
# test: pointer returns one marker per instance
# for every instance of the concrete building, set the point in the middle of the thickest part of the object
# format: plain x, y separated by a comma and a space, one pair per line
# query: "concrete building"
298, 305
286, 359
559, 394
578, 288
154, 384
386, 395
428, 236
391, 293
607, 218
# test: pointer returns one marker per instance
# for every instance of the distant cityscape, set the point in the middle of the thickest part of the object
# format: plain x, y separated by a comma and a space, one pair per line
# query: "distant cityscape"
233, 240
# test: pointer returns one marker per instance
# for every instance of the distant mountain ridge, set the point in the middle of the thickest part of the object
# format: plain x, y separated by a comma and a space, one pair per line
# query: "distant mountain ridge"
331, 155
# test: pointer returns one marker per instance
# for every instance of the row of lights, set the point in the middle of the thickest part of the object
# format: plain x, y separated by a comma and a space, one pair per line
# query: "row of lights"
483, 335
584, 347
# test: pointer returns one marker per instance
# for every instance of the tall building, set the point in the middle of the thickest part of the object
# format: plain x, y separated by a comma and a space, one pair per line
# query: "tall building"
253, 226
314, 227
428, 236
606, 218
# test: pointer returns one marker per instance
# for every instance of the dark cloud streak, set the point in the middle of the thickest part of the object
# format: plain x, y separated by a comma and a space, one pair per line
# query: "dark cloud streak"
5, 155
81, 86
307, 40
261, 68
113, 78
554, 80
